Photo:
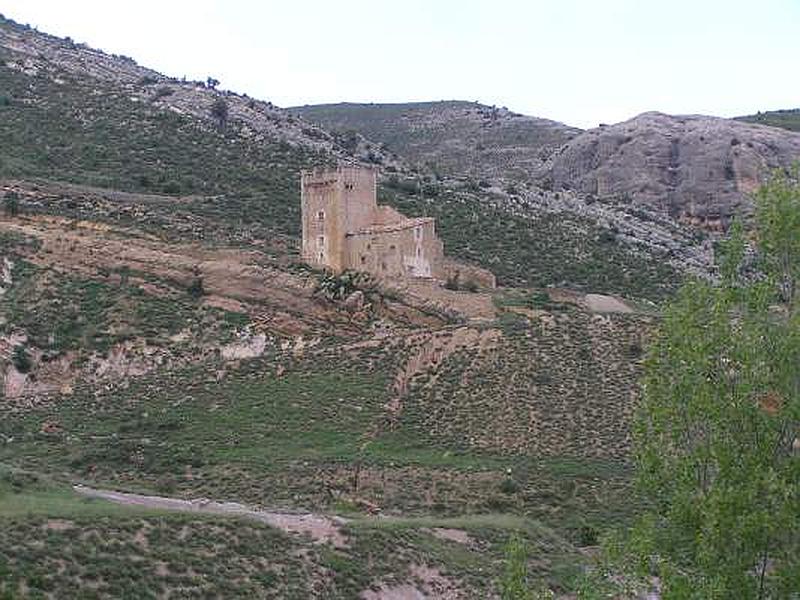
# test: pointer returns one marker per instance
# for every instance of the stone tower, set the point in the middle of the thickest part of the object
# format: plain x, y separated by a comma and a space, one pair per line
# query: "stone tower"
334, 203
344, 228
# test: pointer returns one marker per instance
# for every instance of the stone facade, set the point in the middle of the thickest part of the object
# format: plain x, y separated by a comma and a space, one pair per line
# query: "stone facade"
344, 228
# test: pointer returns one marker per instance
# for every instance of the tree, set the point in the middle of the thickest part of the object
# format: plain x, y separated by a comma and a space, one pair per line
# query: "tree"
211, 82
716, 437
11, 204
219, 110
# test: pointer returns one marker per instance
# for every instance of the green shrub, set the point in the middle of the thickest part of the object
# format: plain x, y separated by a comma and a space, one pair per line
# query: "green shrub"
11, 204
196, 289
587, 536
21, 360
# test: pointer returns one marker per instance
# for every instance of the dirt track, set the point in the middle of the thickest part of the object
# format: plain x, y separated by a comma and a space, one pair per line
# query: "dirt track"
322, 529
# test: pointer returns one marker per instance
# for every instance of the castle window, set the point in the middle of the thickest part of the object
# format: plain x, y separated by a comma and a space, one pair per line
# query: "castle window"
348, 186
419, 251
363, 259
321, 256
321, 215
321, 241
418, 233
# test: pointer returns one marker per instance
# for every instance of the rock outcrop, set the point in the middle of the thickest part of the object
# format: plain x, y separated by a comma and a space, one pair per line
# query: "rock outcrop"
695, 168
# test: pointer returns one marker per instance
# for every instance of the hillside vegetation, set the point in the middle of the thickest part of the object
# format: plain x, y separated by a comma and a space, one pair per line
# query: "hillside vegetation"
785, 119
159, 336
91, 132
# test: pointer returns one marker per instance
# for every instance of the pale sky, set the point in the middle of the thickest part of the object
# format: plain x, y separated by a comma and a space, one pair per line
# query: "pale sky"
582, 62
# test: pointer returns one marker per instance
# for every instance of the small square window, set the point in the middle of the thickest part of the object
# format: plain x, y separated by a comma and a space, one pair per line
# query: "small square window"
321, 215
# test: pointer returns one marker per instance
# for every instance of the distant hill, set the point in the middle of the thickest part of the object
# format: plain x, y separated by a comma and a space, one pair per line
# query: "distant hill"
450, 136
785, 119
698, 169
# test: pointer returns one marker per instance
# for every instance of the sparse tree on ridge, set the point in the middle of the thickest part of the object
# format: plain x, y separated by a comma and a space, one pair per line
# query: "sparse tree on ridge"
219, 110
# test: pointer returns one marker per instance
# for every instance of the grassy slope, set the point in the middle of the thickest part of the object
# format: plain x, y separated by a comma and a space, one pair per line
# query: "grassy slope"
91, 133
537, 250
295, 438
785, 119
294, 441
54, 542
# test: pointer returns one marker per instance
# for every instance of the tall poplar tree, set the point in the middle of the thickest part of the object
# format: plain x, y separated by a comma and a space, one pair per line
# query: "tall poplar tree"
717, 437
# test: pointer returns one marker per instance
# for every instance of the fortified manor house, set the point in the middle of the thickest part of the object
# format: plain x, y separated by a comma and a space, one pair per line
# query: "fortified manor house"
344, 228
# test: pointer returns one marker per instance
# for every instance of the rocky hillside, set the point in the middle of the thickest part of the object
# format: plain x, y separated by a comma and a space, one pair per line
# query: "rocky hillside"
452, 137
158, 336
693, 169
696, 169
785, 119
74, 114
64, 61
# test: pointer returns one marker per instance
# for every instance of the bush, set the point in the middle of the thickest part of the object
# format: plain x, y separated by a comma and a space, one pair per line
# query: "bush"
220, 110
11, 204
587, 536
21, 360
509, 486
162, 92
196, 289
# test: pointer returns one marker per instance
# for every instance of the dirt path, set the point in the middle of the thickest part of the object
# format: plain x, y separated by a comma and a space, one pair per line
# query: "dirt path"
320, 528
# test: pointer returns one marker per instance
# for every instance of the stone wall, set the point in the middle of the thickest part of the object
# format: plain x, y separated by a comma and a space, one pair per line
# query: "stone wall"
409, 248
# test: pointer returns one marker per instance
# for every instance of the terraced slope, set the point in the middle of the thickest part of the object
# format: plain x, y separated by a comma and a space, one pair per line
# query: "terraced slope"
396, 424
452, 137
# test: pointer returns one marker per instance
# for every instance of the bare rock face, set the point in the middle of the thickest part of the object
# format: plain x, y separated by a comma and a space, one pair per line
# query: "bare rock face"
698, 169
